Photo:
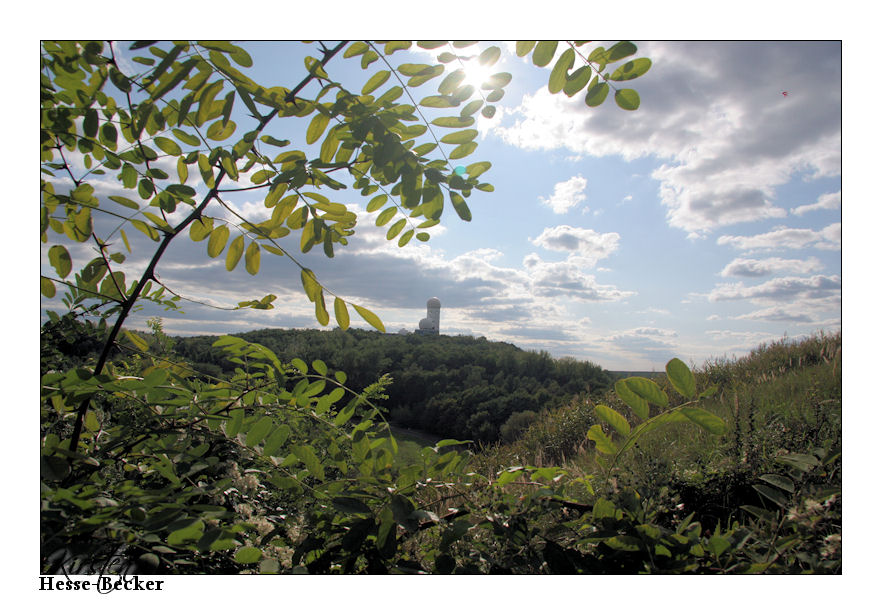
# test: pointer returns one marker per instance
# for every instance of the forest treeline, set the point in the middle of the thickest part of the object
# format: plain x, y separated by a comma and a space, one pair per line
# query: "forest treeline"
450, 386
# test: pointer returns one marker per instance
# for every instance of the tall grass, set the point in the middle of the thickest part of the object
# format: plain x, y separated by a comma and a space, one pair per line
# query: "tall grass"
783, 397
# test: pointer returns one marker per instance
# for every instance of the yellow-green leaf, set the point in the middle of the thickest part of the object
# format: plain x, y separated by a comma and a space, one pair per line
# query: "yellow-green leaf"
544, 52
375, 81
370, 318
252, 258
47, 287
601, 440
321, 312
627, 99
316, 127
460, 136
613, 418
558, 77
137, 340
341, 313
234, 253
522, 48
91, 421
167, 145
681, 377
218, 240
60, 259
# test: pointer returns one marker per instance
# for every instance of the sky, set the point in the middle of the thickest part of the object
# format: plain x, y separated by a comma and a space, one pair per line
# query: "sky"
699, 226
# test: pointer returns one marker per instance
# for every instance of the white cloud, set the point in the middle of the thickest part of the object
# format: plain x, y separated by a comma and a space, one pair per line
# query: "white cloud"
780, 289
567, 194
714, 112
828, 238
831, 200
749, 268
582, 242
567, 279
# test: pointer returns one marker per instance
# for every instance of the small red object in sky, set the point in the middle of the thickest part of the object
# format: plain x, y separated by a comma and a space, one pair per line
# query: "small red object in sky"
784, 93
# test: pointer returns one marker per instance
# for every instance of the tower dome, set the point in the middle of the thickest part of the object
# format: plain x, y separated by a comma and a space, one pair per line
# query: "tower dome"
433, 314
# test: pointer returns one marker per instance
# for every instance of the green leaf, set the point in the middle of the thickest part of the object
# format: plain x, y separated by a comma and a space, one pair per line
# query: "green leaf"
558, 77
639, 405
620, 50
395, 229
601, 440
258, 431
321, 312
124, 201
350, 506
370, 318
522, 48
316, 127
544, 52
718, 545
60, 259
186, 137
386, 215
613, 418
489, 56
471, 108
137, 340
459, 204
234, 253
252, 258
248, 555
377, 202
596, 94
306, 454
798, 461
782, 482
681, 378
234, 423
461, 151
217, 241
273, 141
376, 81
453, 122
631, 70
168, 146
439, 102
191, 533
772, 494
341, 313
477, 168
355, 49
647, 389
47, 287
577, 80
705, 419
627, 99
460, 136
276, 439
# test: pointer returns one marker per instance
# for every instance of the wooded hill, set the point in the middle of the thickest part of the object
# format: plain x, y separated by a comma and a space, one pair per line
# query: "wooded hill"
451, 386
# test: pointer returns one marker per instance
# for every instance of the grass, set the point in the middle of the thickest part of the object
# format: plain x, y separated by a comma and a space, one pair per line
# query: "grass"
784, 397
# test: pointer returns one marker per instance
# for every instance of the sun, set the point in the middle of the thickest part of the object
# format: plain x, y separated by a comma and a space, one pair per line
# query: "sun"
476, 74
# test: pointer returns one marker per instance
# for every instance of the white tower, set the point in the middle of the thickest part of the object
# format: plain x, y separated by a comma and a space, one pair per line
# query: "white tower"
433, 313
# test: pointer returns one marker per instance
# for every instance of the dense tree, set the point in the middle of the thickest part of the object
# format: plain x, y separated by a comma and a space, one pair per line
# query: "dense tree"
429, 372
